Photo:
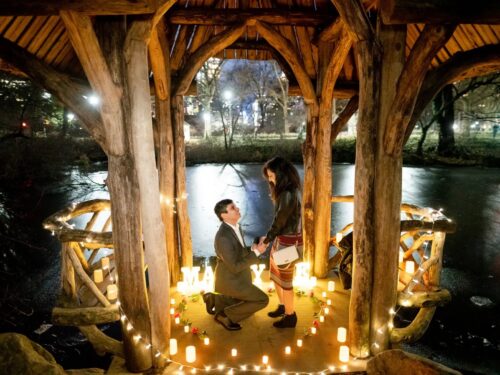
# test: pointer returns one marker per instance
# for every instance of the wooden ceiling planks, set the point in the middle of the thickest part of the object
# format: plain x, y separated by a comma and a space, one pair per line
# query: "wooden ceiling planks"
51, 40
5, 22
17, 27
43, 34
32, 31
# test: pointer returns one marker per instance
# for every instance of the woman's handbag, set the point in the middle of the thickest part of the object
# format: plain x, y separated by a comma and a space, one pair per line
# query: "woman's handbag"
286, 255
289, 250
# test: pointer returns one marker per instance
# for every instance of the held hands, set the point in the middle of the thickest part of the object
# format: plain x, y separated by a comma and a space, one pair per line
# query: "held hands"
259, 245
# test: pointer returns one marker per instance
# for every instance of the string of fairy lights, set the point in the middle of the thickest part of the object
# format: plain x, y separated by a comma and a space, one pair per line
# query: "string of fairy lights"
264, 366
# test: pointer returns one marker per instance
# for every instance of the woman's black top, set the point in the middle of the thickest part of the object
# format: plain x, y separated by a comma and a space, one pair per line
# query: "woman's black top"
286, 215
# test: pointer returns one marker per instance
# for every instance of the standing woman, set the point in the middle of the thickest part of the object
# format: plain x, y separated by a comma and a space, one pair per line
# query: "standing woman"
284, 183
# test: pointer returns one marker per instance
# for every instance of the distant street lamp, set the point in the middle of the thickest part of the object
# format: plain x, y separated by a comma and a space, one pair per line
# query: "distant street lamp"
208, 130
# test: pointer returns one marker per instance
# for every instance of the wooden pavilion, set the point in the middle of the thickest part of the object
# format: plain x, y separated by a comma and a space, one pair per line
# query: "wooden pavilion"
390, 57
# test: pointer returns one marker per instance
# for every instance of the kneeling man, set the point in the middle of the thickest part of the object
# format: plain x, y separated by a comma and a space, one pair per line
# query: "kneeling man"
236, 297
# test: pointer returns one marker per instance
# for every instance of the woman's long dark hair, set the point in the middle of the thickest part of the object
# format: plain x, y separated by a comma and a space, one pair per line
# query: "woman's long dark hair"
287, 177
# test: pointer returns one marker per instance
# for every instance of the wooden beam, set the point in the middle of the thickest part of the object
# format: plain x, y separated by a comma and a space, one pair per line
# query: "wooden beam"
83, 316
89, 7
101, 342
284, 47
329, 33
81, 33
141, 130
477, 62
329, 70
212, 47
430, 41
442, 11
210, 17
354, 16
67, 90
344, 117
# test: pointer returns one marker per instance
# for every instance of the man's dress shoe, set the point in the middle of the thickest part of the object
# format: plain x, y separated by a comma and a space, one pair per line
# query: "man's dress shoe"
226, 322
209, 299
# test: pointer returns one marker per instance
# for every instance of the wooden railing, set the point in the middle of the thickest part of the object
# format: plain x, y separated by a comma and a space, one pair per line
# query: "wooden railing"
423, 233
89, 290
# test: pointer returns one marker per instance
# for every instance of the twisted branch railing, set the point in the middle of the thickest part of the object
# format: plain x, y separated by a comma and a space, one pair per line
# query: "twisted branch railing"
89, 291
423, 233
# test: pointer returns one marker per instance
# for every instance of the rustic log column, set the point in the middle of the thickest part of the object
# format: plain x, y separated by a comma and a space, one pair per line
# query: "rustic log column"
160, 64
180, 181
330, 65
388, 184
141, 128
122, 178
368, 56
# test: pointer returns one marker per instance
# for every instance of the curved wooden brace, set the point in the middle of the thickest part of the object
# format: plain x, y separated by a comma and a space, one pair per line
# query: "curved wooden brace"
429, 42
435, 298
212, 47
160, 12
416, 329
101, 342
344, 117
476, 62
342, 48
83, 316
285, 48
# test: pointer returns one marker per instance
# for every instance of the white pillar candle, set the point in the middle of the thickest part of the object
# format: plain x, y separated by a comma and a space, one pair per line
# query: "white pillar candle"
326, 310
299, 343
172, 311
288, 350
234, 352
344, 353
172, 301
321, 319
190, 353
105, 262
329, 302
112, 292
265, 359
410, 267
313, 330
323, 294
331, 286
177, 320
98, 276
173, 346
206, 341
341, 334
186, 329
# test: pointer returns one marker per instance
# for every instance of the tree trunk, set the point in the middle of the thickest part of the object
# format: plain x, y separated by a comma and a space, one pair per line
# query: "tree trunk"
423, 136
64, 130
445, 121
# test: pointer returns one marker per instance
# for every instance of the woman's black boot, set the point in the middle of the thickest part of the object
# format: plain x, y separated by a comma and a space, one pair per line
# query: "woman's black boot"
278, 312
287, 321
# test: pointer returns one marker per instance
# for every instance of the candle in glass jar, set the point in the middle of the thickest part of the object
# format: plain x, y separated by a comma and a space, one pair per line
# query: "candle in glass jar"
288, 350
265, 359
410, 267
173, 346
172, 301
186, 329
313, 330
331, 286
206, 341
326, 310
323, 294
321, 319
98, 276
190, 353
344, 353
172, 311
177, 320
112, 291
341, 334
299, 343
329, 302
234, 352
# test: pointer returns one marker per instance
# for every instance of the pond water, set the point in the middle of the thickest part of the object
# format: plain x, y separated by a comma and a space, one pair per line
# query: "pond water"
464, 334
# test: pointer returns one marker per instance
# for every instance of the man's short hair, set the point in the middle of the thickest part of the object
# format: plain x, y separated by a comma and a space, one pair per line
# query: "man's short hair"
221, 207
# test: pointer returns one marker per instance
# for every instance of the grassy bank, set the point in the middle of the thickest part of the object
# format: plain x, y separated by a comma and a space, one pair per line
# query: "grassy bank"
480, 151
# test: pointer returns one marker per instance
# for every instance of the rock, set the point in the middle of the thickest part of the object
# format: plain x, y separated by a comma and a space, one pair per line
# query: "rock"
19, 355
397, 362
482, 301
